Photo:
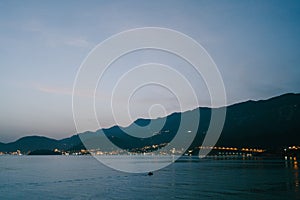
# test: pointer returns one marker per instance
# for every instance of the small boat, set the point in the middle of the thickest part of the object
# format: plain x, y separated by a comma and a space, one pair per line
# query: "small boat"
150, 173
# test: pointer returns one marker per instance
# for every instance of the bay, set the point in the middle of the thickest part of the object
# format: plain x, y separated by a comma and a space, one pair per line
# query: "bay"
83, 177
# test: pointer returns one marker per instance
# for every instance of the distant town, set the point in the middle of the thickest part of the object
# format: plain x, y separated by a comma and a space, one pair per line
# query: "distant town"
287, 153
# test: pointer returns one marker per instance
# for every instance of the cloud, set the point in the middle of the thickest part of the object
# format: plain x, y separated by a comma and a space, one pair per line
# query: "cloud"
77, 42
33, 25
66, 91
54, 90
54, 36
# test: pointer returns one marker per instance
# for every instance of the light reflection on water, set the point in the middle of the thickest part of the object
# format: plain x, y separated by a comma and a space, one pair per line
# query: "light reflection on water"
82, 177
293, 163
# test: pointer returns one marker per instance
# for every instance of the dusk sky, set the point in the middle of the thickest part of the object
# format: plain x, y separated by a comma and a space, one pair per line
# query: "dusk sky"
255, 45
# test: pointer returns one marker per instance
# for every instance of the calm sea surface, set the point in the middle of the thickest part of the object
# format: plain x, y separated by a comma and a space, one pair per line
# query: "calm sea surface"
83, 177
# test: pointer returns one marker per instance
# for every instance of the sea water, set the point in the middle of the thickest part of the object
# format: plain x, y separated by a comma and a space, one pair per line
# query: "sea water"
83, 177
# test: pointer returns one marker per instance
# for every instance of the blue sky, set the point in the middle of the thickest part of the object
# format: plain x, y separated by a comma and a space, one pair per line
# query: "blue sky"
255, 45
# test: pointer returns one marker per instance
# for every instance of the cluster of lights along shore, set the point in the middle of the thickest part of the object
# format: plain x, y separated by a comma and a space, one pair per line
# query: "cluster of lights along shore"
215, 151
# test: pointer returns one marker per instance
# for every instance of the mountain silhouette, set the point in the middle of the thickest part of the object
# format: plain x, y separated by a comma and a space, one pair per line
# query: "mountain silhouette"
271, 123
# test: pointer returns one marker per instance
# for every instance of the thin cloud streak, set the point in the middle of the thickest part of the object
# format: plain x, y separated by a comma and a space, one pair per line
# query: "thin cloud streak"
54, 37
62, 91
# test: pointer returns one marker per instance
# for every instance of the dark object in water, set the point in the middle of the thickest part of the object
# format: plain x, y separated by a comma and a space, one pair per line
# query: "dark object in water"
150, 173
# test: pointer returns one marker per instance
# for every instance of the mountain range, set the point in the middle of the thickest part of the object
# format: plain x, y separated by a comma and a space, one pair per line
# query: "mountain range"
271, 123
